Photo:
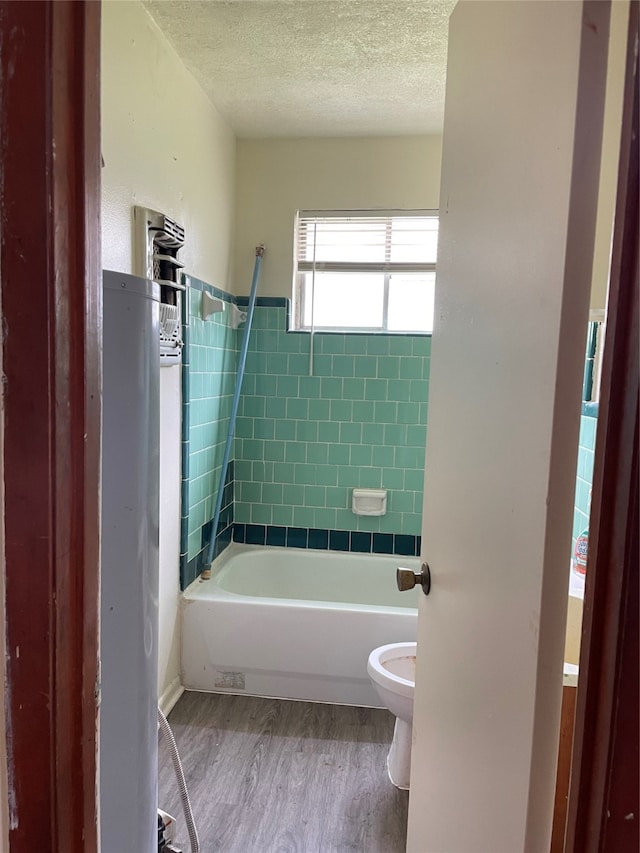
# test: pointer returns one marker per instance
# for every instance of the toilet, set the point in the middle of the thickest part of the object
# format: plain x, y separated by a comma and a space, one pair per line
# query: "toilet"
392, 670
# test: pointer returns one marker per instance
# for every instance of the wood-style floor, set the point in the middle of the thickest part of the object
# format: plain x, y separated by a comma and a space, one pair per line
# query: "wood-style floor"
274, 776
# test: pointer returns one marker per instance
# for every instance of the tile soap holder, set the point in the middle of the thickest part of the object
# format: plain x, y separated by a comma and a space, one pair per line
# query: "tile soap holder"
369, 501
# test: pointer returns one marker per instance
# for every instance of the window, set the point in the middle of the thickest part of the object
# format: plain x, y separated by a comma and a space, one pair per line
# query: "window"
365, 272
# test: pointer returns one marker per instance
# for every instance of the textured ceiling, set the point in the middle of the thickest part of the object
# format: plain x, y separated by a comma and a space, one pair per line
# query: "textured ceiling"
315, 67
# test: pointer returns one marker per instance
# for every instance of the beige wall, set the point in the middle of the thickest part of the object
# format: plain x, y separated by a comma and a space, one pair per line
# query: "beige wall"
610, 151
276, 177
167, 148
164, 146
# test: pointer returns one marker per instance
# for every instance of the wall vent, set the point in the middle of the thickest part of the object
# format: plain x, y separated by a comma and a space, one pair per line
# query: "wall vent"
158, 239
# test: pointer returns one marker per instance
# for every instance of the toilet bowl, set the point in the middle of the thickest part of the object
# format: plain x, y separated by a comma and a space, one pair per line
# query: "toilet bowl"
392, 670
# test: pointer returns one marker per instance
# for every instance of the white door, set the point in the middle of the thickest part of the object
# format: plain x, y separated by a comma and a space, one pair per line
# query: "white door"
514, 268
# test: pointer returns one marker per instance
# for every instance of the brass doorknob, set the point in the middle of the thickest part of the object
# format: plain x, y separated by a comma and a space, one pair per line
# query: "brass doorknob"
407, 578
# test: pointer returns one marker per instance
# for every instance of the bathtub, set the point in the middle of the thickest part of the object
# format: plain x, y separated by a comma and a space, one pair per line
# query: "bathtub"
294, 623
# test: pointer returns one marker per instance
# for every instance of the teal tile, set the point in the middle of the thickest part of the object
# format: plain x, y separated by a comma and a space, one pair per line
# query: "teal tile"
305, 473
371, 478
252, 448
341, 410
387, 413
414, 480
383, 457
348, 477
339, 454
250, 492
329, 431
356, 344
399, 390
343, 365
285, 429
416, 435
378, 344
391, 523
272, 493
242, 469
421, 345
292, 494
309, 386
275, 407
353, 389
295, 451
401, 501
388, 368
319, 410
400, 345
274, 451
588, 432
315, 496
376, 389
266, 385
333, 344
350, 433
298, 364
392, 478
254, 407
326, 475
287, 386
366, 366
337, 497
408, 457
303, 516
318, 452
344, 518
264, 428
277, 363
419, 391
408, 413
331, 388
283, 472
325, 518
363, 411
290, 343
361, 454
322, 364
372, 433
297, 409
260, 514
410, 368
307, 430
282, 515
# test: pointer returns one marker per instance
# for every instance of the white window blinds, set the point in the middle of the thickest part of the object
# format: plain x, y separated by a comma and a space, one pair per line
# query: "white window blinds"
365, 272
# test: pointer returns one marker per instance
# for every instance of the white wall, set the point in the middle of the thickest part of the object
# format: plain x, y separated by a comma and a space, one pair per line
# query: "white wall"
165, 147
610, 151
276, 177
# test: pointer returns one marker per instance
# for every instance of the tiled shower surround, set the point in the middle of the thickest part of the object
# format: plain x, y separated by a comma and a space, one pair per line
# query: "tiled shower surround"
586, 448
303, 442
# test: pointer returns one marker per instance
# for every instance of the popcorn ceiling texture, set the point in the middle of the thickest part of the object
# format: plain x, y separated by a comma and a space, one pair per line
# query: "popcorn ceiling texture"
315, 67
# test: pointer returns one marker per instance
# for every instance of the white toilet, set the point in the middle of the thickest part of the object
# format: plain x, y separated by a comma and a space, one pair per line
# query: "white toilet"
392, 669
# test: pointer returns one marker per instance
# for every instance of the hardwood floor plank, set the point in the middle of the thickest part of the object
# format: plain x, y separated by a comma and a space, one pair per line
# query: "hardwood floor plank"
275, 776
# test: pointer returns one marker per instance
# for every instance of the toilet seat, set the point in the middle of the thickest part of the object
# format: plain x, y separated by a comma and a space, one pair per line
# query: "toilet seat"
388, 665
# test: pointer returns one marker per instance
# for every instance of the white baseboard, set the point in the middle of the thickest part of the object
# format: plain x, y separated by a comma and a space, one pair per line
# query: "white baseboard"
170, 696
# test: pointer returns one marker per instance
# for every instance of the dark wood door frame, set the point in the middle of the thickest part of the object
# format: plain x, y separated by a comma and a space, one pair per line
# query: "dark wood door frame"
49, 255
603, 810
51, 297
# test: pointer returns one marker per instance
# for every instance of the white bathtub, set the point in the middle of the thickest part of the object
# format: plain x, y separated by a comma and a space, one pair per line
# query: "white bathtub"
294, 623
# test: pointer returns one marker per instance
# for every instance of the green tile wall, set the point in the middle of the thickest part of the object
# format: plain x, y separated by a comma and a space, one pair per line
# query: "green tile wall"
584, 479
304, 442
212, 362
